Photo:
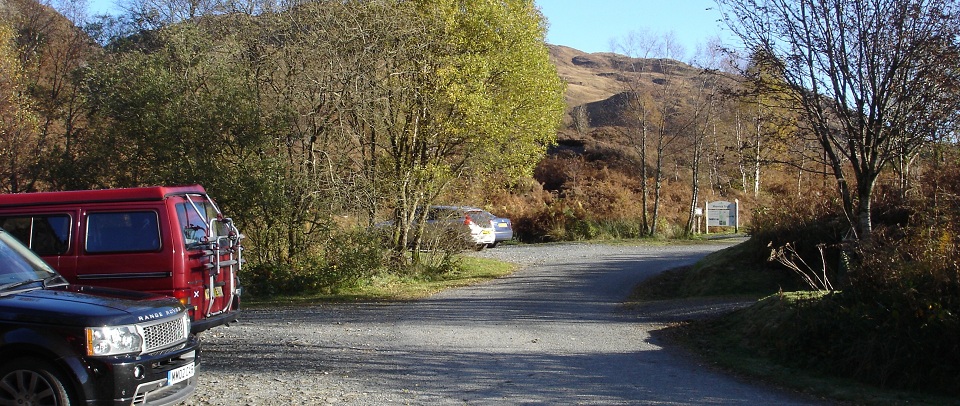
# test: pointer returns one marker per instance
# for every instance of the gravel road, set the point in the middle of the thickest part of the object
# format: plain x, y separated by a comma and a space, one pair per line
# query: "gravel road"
552, 333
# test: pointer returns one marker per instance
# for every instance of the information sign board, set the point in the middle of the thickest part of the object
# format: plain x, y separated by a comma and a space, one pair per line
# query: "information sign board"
722, 214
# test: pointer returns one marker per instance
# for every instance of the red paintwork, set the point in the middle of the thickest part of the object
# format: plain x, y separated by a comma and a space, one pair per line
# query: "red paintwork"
184, 270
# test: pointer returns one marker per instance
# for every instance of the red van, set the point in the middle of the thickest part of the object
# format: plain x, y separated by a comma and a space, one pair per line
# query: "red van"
167, 240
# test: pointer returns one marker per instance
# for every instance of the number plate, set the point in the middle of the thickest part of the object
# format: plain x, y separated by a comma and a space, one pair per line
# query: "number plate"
180, 374
217, 292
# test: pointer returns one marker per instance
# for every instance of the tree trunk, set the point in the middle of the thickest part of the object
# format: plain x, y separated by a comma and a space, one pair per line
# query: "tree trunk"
738, 130
644, 188
657, 186
865, 206
695, 192
756, 148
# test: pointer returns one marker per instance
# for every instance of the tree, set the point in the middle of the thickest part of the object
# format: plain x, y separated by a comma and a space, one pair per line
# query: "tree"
662, 111
478, 98
52, 53
759, 96
18, 123
180, 105
706, 112
639, 45
313, 110
866, 74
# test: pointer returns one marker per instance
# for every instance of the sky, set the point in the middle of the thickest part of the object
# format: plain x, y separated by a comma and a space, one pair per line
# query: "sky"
589, 25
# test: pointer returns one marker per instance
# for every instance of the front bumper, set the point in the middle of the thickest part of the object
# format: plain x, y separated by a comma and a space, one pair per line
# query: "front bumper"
163, 378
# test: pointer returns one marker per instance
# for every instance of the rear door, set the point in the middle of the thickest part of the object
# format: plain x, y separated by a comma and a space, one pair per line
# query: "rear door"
204, 239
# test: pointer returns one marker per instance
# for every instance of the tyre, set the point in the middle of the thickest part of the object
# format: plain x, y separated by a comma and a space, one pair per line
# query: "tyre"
30, 381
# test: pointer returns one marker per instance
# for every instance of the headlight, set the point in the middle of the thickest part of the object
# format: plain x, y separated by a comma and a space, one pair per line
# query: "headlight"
186, 324
113, 340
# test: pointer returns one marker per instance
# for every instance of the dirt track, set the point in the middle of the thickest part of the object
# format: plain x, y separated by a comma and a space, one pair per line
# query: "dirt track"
553, 333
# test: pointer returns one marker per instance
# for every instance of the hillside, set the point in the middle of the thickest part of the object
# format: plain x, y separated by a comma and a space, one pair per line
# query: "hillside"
601, 84
594, 173
597, 79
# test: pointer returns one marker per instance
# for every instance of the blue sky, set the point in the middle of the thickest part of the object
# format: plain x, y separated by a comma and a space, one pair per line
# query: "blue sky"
589, 25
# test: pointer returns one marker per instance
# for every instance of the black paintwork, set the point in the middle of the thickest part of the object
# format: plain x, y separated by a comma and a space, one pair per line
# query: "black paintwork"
48, 323
83, 306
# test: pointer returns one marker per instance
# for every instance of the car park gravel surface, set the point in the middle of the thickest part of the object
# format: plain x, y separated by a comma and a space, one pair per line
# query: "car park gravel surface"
554, 332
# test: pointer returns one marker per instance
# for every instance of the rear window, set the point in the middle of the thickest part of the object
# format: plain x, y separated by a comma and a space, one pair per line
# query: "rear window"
44, 234
442, 213
195, 219
137, 231
479, 217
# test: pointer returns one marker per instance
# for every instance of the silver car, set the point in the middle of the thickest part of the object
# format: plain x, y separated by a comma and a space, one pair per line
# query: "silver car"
477, 222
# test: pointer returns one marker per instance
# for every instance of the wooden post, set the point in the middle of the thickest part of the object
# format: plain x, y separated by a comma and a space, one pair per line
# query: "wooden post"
736, 216
706, 217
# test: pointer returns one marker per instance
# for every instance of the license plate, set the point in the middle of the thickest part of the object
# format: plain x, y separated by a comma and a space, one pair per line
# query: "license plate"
217, 292
502, 225
180, 374
485, 232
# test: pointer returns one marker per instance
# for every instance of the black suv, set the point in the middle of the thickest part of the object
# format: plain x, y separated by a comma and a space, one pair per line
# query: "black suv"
63, 344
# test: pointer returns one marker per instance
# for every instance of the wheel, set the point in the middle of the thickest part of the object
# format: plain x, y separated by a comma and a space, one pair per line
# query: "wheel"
28, 381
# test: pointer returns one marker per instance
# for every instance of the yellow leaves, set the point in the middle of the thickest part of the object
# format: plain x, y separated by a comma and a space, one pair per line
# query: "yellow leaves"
18, 122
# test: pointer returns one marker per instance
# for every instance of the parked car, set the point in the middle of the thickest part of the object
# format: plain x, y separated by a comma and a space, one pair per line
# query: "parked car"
445, 225
502, 229
474, 223
64, 344
165, 240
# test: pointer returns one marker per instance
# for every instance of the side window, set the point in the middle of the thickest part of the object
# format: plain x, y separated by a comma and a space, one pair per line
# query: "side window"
51, 234
44, 234
438, 214
123, 232
18, 227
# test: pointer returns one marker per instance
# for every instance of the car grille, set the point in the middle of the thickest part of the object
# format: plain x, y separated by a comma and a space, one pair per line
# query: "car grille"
165, 333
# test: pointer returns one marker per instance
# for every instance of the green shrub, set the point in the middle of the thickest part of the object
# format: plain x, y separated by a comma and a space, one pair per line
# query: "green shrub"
896, 323
346, 259
267, 279
624, 228
437, 264
813, 232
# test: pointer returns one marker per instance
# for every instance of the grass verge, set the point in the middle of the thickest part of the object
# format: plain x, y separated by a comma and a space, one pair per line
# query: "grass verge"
389, 288
719, 342
732, 341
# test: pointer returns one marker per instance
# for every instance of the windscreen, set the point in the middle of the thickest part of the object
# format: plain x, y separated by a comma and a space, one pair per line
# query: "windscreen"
17, 263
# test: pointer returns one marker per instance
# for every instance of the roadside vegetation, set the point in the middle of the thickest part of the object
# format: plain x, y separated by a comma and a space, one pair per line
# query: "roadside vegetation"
888, 336
880, 298
322, 126
390, 287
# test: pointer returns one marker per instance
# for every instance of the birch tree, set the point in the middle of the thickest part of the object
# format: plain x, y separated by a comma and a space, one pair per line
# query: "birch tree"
868, 75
